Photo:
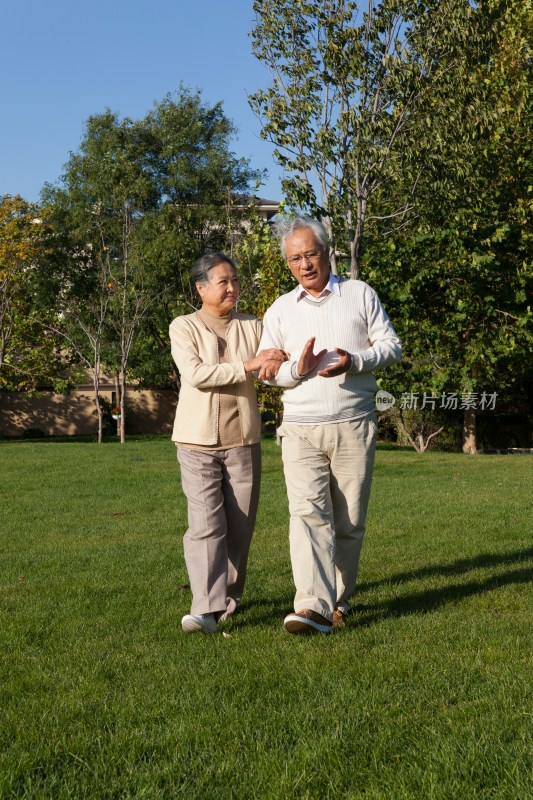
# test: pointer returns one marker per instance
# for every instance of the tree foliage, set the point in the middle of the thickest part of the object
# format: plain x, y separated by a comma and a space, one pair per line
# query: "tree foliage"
138, 202
264, 277
459, 283
364, 100
28, 359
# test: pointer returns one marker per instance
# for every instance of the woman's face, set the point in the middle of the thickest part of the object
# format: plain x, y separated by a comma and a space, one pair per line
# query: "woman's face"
222, 290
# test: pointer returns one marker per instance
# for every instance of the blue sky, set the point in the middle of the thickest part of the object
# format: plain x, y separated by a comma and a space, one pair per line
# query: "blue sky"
67, 59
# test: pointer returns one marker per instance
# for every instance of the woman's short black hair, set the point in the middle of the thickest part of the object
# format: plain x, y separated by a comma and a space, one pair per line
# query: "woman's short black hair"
203, 265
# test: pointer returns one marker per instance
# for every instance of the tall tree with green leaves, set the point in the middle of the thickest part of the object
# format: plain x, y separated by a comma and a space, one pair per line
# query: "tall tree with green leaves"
81, 300
105, 188
264, 277
200, 187
363, 96
141, 199
29, 357
459, 283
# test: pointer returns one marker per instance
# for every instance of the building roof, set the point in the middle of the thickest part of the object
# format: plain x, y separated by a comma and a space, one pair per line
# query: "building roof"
259, 201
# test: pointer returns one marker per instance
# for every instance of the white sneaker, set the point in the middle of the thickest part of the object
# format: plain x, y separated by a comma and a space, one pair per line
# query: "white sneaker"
199, 623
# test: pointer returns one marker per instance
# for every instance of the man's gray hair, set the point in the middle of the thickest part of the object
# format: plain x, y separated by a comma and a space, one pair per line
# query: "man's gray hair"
203, 265
285, 226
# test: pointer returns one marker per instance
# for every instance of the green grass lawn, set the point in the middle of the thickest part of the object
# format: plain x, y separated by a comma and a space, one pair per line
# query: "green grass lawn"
426, 693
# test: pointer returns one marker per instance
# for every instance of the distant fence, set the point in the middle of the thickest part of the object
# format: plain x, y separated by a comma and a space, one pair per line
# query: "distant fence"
74, 414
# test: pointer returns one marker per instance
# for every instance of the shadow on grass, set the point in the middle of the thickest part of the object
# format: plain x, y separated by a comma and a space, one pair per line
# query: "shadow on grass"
484, 560
269, 611
432, 599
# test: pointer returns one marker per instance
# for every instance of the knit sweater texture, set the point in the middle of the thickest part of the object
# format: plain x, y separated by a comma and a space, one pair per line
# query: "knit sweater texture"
354, 321
195, 350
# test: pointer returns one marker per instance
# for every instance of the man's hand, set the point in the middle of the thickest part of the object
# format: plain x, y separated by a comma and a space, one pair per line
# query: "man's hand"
308, 360
338, 367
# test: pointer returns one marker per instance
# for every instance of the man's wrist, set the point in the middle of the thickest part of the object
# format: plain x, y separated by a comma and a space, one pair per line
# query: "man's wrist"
357, 363
294, 372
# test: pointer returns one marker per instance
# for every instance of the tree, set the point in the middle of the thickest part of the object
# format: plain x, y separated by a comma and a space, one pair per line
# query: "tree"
264, 277
28, 360
363, 103
200, 186
82, 316
459, 284
140, 201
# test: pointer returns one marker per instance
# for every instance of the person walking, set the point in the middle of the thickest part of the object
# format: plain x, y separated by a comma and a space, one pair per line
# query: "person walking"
217, 430
336, 334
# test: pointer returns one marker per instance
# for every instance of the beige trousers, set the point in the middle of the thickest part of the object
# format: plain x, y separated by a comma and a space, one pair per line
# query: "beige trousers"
328, 472
222, 491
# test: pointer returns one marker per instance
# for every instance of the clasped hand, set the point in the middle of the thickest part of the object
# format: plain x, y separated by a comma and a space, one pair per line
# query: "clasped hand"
266, 363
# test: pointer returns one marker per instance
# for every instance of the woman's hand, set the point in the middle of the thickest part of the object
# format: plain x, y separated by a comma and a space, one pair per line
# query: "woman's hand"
272, 356
269, 369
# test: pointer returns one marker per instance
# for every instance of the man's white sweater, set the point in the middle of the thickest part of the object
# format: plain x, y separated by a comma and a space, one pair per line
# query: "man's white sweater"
355, 321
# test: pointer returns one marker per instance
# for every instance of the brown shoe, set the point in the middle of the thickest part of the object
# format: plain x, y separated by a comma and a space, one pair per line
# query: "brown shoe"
339, 618
307, 621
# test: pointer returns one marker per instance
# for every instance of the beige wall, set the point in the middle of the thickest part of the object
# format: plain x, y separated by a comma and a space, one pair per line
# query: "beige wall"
75, 413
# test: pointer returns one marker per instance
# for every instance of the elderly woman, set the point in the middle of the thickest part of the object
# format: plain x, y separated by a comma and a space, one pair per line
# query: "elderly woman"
217, 431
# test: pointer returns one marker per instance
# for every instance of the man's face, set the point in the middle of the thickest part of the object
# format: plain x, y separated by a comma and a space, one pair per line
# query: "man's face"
307, 260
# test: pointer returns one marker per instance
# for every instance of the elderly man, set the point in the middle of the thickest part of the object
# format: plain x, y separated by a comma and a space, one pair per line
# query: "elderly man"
336, 334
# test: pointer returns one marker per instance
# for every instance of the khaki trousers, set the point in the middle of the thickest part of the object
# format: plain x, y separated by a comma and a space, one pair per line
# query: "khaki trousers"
222, 491
328, 472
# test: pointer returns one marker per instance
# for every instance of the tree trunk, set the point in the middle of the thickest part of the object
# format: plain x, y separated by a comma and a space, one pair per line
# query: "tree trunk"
332, 253
116, 400
417, 440
96, 385
469, 432
122, 406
